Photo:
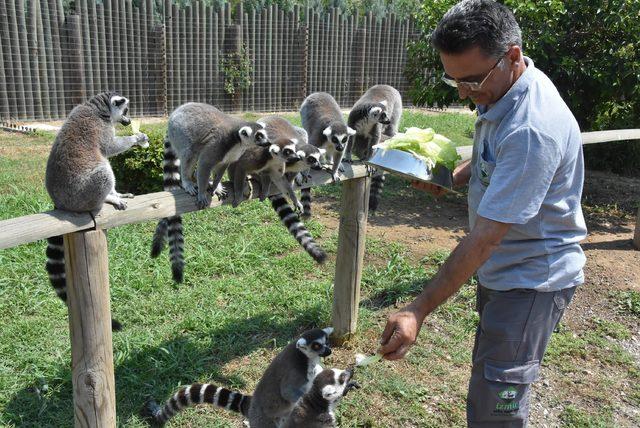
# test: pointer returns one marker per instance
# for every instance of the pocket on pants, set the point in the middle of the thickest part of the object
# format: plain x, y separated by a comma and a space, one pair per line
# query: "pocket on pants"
506, 390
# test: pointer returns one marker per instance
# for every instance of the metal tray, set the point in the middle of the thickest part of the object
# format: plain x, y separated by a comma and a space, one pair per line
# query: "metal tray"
408, 166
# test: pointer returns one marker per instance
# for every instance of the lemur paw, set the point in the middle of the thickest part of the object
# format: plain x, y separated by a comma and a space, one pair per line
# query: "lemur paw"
299, 207
142, 140
190, 188
119, 204
203, 200
335, 178
126, 195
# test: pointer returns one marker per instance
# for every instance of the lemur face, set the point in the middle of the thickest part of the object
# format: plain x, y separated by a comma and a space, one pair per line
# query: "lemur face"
338, 137
315, 343
119, 109
378, 113
286, 149
334, 384
254, 133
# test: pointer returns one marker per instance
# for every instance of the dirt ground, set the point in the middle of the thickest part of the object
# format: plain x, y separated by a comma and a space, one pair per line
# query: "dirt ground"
610, 206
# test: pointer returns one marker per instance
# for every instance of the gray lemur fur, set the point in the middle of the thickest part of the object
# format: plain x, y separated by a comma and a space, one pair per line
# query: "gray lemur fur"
289, 376
269, 163
377, 111
316, 408
202, 135
323, 121
78, 176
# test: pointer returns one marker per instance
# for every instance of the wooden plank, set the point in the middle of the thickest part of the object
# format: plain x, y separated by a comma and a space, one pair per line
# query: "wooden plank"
5, 43
253, 52
35, 55
278, 33
246, 93
636, 233
613, 135
350, 256
82, 11
133, 58
269, 61
73, 60
216, 60
177, 51
109, 40
95, 49
145, 86
115, 47
125, 85
195, 59
359, 62
42, 63
57, 20
16, 61
87, 271
22, 230
4, 99
25, 58
102, 42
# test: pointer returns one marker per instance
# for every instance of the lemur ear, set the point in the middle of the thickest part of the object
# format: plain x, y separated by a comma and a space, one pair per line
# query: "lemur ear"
375, 110
294, 140
327, 131
117, 100
274, 149
351, 131
328, 331
245, 131
383, 102
262, 124
301, 343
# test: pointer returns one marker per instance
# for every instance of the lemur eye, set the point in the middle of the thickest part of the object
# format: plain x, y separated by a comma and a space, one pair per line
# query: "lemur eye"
311, 159
316, 346
288, 152
342, 378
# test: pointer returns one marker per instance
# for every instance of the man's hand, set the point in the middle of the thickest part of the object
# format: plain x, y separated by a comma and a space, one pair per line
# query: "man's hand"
461, 176
400, 333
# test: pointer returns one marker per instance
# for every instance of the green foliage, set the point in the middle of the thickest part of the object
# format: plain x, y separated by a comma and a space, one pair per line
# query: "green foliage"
236, 67
589, 49
139, 170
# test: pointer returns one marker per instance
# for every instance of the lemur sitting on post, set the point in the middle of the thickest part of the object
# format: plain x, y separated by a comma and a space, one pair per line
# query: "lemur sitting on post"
377, 112
79, 176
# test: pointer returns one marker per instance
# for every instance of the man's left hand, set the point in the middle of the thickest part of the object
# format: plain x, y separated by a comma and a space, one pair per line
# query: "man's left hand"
400, 333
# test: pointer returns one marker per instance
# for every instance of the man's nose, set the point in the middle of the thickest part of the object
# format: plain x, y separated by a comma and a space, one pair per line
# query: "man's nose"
463, 92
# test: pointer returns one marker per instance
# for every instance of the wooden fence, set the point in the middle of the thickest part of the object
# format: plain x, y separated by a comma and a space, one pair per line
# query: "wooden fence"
159, 59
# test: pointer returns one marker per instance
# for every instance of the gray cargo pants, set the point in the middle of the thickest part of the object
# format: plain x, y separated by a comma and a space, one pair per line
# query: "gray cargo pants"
514, 330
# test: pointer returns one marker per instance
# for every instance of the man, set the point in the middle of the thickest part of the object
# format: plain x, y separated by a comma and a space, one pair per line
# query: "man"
525, 183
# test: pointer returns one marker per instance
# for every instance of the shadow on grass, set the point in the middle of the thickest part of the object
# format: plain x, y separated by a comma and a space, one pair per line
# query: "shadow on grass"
156, 370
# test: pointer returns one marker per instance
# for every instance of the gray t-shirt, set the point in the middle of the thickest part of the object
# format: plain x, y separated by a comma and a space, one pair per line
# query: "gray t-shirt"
527, 169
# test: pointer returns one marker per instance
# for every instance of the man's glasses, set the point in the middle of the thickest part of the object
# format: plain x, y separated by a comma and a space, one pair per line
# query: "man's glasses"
471, 86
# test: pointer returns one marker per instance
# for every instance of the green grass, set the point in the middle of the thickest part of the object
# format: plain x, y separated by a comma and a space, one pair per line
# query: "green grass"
248, 290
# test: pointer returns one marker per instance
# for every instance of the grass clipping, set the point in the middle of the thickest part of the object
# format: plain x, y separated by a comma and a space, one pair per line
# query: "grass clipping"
425, 145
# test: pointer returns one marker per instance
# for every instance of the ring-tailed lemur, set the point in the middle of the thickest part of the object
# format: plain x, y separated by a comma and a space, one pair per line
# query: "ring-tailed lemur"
299, 172
377, 112
323, 121
289, 376
271, 169
316, 408
78, 176
199, 133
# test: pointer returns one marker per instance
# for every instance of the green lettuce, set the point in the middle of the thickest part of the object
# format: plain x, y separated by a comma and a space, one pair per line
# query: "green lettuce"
426, 145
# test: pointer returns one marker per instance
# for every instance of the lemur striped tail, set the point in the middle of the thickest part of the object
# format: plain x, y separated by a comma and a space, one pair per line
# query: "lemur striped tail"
305, 199
55, 266
57, 275
377, 183
196, 394
170, 229
296, 228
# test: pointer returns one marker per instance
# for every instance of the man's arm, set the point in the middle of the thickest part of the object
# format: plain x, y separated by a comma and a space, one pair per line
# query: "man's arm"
403, 327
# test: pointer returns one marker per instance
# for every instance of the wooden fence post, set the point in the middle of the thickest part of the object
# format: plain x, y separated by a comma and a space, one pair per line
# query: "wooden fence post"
73, 61
351, 241
358, 68
636, 234
232, 51
87, 269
